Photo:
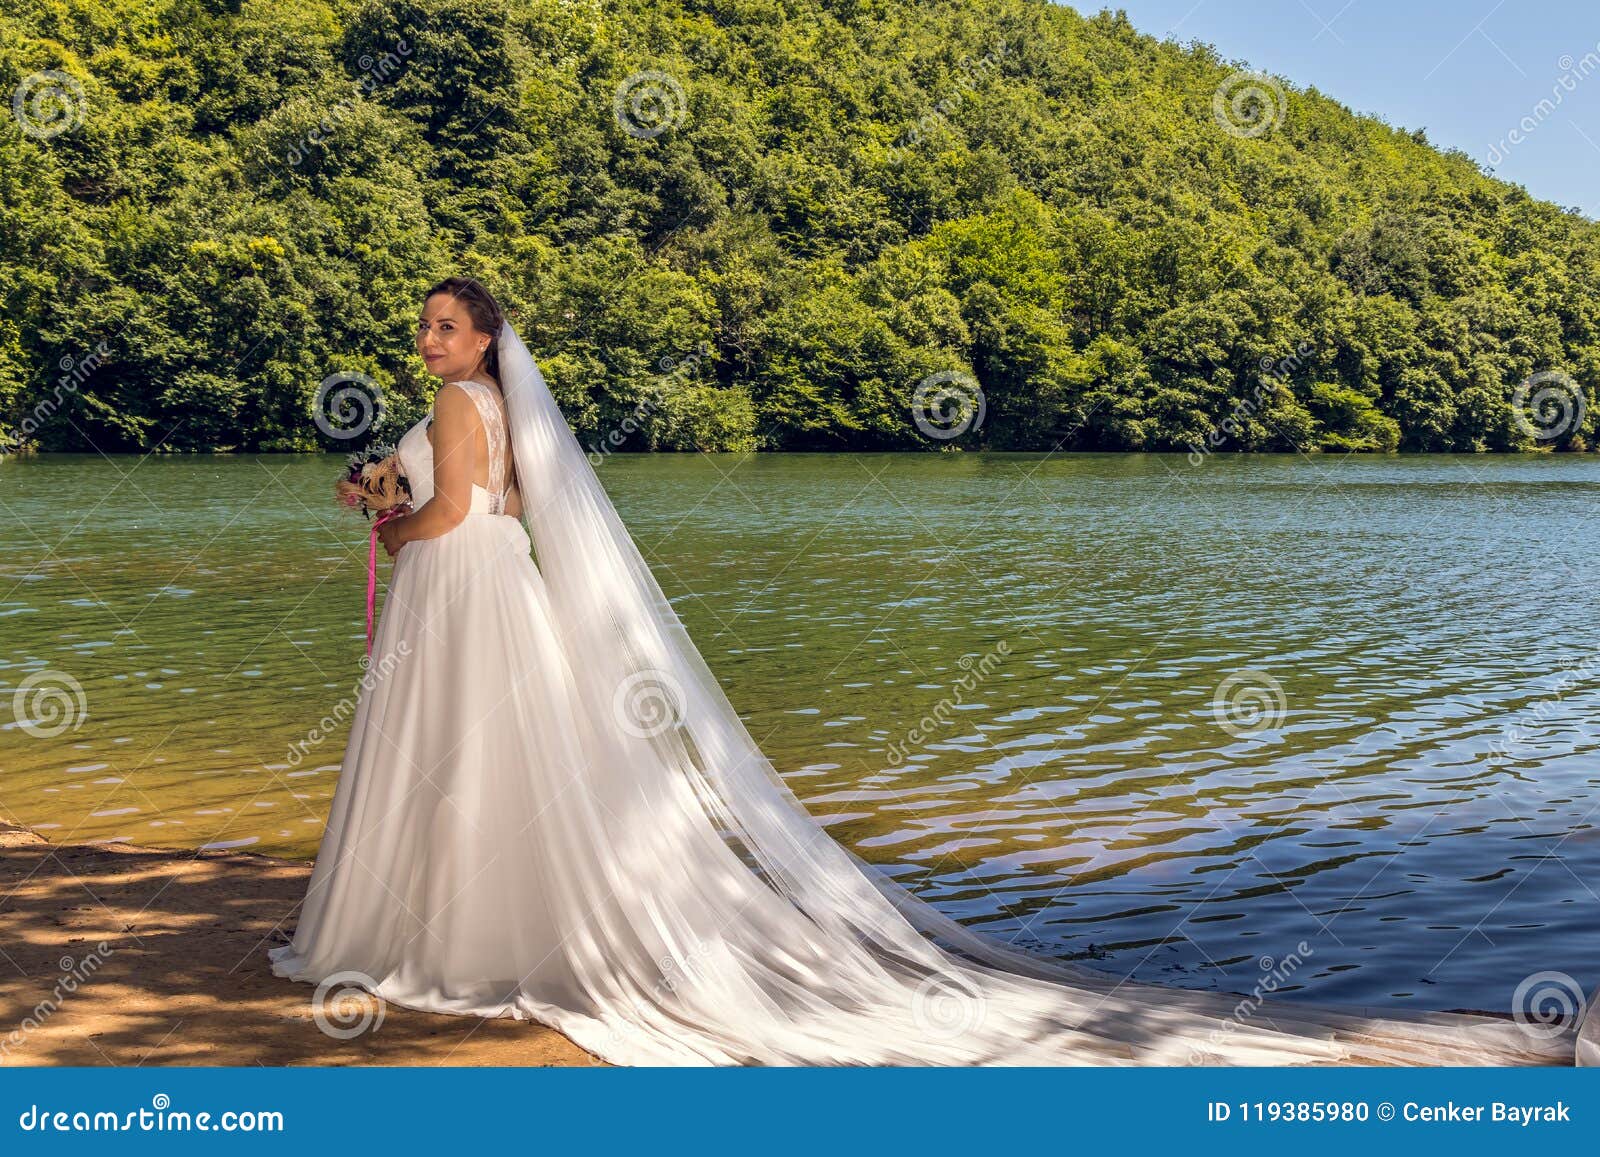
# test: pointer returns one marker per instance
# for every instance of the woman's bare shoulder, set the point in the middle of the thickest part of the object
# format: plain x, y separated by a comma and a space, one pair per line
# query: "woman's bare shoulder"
454, 398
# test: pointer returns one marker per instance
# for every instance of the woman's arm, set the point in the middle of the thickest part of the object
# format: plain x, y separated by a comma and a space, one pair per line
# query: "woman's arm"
455, 431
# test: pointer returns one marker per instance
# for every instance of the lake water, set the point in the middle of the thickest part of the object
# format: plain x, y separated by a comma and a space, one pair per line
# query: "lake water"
1189, 721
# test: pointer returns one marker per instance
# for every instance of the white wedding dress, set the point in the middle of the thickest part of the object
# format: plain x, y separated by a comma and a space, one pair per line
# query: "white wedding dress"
548, 810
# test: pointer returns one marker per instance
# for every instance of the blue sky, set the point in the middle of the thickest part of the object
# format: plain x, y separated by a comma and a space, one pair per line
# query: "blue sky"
1468, 72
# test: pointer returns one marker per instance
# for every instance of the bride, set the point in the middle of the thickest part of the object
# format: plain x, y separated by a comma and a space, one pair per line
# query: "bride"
549, 810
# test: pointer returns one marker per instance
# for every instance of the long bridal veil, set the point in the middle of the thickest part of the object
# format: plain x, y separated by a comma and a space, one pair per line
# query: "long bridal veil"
711, 920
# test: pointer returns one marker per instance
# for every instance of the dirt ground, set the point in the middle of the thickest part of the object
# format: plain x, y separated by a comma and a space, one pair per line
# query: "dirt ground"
183, 978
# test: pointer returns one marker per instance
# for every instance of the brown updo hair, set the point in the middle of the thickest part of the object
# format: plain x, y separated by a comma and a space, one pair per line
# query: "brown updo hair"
484, 310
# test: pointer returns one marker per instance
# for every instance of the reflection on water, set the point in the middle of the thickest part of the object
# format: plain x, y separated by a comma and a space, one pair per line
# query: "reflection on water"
1178, 719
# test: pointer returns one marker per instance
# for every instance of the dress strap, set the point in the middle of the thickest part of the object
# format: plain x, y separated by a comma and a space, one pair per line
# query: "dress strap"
494, 426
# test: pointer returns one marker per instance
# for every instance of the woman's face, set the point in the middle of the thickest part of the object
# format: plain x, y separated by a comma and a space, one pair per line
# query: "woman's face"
450, 345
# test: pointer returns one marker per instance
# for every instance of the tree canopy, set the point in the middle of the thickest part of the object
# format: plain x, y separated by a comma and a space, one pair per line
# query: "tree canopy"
737, 224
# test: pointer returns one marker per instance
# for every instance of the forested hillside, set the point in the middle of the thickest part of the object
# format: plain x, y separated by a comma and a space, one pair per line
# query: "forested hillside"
729, 224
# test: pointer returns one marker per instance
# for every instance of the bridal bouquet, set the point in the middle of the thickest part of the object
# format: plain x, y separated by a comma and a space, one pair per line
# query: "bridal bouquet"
373, 484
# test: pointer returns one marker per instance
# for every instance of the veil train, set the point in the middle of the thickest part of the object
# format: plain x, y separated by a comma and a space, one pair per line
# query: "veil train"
721, 924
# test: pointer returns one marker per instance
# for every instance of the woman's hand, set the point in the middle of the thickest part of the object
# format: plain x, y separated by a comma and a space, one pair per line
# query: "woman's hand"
391, 534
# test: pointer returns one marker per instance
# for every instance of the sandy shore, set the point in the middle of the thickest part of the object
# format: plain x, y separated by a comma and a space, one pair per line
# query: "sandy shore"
114, 954
183, 978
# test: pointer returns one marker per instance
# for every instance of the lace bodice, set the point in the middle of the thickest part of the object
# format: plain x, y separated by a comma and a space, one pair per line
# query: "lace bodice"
416, 454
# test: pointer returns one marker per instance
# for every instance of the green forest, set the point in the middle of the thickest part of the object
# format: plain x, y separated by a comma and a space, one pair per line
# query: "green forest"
757, 225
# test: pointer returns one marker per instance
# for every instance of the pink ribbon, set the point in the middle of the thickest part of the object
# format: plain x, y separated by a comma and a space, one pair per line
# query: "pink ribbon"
372, 568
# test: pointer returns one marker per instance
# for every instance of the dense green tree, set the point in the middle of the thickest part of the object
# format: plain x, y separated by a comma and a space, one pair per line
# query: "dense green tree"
745, 224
